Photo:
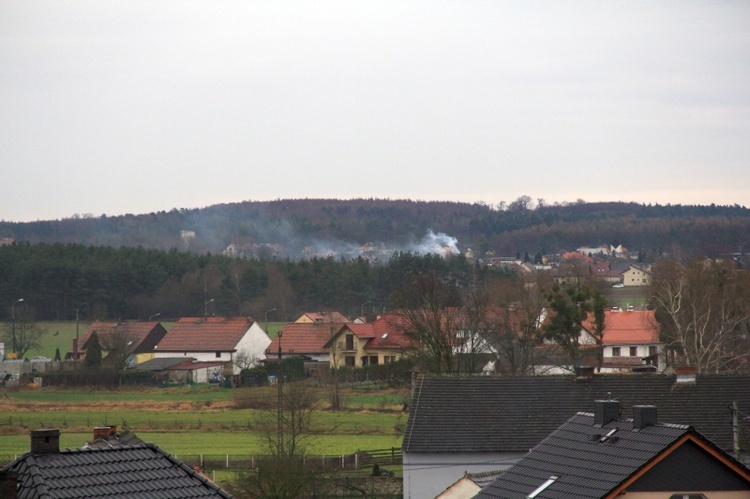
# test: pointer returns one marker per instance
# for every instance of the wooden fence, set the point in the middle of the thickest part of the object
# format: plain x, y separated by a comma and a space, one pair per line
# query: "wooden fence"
345, 462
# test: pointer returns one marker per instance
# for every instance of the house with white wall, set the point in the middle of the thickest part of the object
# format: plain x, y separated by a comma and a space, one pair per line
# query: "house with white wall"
631, 340
235, 341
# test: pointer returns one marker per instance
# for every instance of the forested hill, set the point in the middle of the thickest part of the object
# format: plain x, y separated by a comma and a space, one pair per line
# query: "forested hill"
520, 226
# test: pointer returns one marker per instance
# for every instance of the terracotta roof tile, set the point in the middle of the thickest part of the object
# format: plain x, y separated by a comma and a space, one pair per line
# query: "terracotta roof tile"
624, 328
201, 334
304, 338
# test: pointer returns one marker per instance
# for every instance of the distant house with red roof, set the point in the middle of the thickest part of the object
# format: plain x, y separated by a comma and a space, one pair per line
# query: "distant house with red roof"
379, 342
604, 271
138, 338
631, 340
318, 317
630, 343
234, 341
304, 339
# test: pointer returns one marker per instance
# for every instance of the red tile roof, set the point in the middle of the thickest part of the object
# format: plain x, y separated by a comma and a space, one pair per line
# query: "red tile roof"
136, 331
386, 332
390, 332
303, 338
335, 317
627, 328
205, 334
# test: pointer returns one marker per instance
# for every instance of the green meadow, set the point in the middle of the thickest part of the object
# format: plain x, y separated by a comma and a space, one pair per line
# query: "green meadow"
195, 420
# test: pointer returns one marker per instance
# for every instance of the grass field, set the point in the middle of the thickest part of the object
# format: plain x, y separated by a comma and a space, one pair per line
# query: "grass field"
194, 420
237, 442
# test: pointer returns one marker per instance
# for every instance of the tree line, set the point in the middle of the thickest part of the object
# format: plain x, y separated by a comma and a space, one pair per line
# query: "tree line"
58, 281
522, 225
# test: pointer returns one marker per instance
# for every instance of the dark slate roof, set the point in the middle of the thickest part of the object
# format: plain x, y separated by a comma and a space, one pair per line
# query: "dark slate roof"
127, 437
513, 414
142, 470
586, 462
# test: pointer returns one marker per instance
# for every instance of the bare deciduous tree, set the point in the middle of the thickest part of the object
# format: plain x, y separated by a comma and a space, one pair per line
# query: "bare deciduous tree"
24, 333
429, 309
119, 345
283, 473
703, 309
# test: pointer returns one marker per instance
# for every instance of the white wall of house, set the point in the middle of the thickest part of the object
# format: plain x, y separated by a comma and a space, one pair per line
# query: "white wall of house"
253, 344
427, 475
641, 351
462, 489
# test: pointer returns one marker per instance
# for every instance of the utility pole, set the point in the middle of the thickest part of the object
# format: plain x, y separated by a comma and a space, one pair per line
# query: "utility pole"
13, 317
736, 429
279, 381
75, 354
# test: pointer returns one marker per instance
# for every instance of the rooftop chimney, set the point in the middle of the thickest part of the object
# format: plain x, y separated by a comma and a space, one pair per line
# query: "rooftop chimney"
45, 441
643, 416
104, 432
605, 411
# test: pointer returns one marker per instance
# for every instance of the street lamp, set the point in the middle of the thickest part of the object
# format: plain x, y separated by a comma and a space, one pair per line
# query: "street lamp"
205, 307
13, 316
266, 318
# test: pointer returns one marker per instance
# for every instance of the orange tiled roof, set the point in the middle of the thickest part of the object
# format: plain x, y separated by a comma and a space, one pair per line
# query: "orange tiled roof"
304, 338
205, 334
393, 327
627, 328
335, 317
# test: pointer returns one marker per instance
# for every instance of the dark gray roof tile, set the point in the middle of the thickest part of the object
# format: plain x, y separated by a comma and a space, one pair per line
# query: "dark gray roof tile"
587, 466
512, 414
141, 470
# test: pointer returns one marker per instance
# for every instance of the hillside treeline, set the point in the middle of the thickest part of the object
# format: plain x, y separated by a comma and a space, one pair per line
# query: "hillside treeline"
505, 228
101, 282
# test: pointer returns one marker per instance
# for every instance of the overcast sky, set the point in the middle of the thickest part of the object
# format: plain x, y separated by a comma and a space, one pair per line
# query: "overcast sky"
140, 106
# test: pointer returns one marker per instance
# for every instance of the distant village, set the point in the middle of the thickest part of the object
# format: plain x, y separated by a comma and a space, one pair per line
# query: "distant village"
628, 416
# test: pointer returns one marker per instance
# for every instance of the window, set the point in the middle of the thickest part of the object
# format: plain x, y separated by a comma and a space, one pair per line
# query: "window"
349, 360
350, 342
615, 351
373, 360
652, 350
218, 355
633, 351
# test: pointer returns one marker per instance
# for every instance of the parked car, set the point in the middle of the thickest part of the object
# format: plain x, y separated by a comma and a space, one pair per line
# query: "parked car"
619, 285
